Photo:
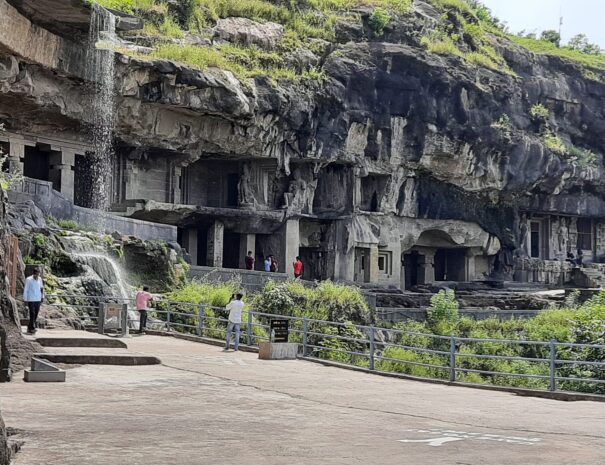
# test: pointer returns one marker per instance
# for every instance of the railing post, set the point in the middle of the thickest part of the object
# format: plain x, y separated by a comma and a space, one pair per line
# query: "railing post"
249, 329
372, 347
452, 359
201, 317
168, 319
305, 335
553, 366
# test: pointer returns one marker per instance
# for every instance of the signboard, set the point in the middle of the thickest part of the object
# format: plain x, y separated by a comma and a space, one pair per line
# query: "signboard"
112, 317
279, 330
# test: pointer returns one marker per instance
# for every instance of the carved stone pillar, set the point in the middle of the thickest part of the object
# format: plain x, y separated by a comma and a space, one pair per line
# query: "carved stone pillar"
215, 244
61, 172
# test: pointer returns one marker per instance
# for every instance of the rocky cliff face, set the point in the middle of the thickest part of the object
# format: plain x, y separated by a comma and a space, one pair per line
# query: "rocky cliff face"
445, 138
15, 352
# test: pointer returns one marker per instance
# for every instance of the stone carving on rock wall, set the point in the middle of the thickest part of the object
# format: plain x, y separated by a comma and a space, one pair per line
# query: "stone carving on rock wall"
409, 200
246, 194
301, 190
392, 191
554, 237
524, 236
573, 234
563, 236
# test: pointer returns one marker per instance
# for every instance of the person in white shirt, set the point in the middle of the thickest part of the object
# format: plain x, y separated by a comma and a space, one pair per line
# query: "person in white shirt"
235, 307
33, 294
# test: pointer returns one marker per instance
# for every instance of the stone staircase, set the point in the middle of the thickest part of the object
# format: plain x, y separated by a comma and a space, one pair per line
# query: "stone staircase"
591, 276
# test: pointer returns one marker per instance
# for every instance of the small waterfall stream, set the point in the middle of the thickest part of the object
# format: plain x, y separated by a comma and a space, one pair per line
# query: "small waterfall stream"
101, 72
100, 267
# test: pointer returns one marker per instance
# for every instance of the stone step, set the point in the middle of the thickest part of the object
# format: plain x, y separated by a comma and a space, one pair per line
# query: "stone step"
81, 342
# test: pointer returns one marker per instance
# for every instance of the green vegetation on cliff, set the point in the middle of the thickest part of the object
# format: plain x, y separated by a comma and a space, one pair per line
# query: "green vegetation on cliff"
466, 28
303, 22
545, 47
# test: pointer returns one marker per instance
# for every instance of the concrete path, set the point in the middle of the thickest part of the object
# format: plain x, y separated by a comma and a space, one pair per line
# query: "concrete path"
205, 406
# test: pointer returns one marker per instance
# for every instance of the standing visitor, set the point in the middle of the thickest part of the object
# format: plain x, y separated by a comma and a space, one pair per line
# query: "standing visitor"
249, 261
298, 267
235, 307
274, 264
142, 301
33, 294
268, 264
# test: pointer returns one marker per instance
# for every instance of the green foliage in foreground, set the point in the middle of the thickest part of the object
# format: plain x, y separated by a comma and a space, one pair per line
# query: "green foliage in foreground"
418, 349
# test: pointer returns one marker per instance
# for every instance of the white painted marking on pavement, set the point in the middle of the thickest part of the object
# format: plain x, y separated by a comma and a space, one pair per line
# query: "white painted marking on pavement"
445, 436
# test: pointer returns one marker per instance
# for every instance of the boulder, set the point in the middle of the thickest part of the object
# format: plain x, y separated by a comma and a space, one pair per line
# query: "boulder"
247, 32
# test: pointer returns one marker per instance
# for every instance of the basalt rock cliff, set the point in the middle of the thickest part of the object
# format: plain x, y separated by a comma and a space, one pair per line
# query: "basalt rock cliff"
441, 135
432, 124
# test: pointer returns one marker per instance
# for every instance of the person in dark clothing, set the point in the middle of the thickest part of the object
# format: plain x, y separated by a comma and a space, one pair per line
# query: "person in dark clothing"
249, 261
274, 264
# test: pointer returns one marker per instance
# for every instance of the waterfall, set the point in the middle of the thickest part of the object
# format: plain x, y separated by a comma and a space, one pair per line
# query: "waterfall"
100, 71
110, 271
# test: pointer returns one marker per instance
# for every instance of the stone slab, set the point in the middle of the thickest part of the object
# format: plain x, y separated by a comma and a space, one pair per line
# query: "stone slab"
96, 359
278, 351
44, 376
81, 342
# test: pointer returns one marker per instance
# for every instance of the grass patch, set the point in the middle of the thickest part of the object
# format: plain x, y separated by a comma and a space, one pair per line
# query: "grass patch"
548, 48
463, 32
243, 61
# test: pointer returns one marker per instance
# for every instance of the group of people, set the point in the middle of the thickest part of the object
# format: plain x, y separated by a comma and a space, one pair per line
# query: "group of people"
270, 264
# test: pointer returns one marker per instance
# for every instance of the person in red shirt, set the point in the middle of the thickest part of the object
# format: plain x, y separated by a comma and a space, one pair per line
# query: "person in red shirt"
298, 267
249, 261
142, 300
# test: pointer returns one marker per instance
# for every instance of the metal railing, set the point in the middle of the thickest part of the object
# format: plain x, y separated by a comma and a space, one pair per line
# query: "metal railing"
552, 365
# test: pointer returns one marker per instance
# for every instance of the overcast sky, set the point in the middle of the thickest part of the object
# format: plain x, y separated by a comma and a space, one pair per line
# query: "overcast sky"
579, 16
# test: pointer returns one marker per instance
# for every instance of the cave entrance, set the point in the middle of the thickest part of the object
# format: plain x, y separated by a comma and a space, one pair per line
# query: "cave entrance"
410, 264
36, 163
372, 192
231, 252
314, 263
450, 264
362, 265
232, 190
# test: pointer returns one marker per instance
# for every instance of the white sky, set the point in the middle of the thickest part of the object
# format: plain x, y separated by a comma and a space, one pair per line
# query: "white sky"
579, 16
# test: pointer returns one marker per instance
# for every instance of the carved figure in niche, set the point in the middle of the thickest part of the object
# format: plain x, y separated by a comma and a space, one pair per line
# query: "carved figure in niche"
554, 238
246, 196
301, 189
295, 197
563, 234
573, 233
524, 235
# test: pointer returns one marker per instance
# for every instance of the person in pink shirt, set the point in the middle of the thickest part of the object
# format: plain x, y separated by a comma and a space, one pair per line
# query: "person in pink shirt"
142, 301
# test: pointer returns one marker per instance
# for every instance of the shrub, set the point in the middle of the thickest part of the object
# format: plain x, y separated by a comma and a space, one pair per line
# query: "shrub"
504, 123
539, 111
378, 20
68, 224
413, 358
581, 157
554, 143
443, 309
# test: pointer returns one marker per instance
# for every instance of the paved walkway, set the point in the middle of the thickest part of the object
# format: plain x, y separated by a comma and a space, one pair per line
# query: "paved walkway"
204, 406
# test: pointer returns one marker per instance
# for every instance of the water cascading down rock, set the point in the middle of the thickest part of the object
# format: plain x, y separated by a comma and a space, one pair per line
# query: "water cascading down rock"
101, 72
